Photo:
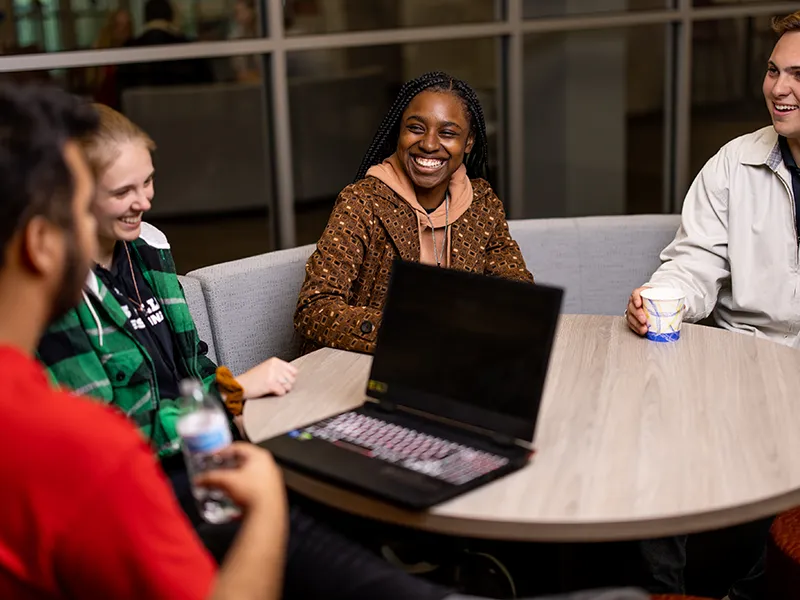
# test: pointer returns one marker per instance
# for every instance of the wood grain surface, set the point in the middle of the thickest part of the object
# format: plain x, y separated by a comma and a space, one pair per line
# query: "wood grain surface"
635, 439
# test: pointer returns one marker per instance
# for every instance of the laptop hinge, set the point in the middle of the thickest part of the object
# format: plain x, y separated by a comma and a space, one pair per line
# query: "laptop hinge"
383, 405
502, 439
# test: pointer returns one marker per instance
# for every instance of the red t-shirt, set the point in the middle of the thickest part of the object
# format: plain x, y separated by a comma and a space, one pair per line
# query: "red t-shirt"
85, 511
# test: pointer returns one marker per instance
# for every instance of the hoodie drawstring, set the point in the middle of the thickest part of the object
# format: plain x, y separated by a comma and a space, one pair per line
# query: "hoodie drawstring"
95, 317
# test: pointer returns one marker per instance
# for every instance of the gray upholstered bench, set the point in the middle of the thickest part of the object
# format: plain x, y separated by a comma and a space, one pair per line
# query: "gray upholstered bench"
244, 309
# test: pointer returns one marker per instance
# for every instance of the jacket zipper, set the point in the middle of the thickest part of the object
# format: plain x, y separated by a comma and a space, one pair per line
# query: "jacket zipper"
793, 203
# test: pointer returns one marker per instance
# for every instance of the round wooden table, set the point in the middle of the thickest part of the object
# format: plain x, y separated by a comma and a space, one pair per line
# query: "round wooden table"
635, 439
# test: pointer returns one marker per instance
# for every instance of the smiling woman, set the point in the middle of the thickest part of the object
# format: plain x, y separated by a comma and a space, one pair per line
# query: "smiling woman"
121, 154
131, 339
419, 195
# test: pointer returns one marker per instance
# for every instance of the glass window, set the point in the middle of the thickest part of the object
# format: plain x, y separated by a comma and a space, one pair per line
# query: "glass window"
214, 181
338, 98
55, 25
729, 60
330, 16
532, 9
594, 121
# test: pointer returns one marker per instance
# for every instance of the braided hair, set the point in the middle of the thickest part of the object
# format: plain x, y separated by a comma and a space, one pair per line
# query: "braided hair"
384, 144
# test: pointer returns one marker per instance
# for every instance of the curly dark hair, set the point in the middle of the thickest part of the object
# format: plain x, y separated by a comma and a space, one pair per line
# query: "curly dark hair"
384, 143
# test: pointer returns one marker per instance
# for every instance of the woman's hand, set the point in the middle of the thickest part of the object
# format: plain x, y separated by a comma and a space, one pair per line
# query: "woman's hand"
273, 376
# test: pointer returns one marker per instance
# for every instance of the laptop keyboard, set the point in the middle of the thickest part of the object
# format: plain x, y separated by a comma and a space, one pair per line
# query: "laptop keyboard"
420, 452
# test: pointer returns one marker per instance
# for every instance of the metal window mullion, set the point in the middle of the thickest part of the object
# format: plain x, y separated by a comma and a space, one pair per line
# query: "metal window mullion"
515, 111
732, 11
501, 175
598, 21
117, 56
281, 126
683, 106
269, 174
90, 58
668, 145
403, 35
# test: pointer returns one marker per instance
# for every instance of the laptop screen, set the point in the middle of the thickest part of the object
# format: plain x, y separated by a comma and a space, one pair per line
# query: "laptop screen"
467, 347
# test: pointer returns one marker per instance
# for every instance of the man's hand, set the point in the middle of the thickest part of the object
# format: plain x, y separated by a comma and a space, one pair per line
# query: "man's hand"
635, 315
254, 565
255, 484
273, 376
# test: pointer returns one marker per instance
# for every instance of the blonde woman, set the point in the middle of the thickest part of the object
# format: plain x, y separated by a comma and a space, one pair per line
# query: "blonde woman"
132, 339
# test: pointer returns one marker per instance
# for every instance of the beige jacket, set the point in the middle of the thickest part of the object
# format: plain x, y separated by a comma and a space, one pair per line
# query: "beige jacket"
736, 251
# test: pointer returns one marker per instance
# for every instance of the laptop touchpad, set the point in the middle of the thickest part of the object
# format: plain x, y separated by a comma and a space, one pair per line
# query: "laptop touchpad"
411, 478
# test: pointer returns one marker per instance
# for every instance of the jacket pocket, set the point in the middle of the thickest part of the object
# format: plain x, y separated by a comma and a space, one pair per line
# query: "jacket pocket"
126, 368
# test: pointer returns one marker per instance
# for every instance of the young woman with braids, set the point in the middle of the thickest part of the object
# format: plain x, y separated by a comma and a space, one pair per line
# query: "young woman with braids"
420, 195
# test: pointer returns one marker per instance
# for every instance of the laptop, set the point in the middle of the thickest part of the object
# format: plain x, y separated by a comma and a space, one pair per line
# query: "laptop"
453, 394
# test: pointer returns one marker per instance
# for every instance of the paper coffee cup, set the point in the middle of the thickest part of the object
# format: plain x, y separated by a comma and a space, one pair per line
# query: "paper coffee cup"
664, 309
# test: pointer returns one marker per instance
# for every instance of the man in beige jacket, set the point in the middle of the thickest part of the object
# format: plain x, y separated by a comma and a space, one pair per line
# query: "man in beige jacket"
736, 255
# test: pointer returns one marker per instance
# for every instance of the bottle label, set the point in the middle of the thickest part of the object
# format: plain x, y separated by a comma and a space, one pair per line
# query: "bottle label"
207, 442
212, 437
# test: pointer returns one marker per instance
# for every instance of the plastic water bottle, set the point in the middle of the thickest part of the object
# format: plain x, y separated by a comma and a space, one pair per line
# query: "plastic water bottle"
204, 431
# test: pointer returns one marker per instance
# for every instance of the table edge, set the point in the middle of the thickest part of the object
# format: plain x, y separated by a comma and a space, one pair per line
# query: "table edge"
357, 504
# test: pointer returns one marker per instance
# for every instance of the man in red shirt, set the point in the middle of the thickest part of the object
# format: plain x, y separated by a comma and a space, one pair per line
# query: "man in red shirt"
86, 512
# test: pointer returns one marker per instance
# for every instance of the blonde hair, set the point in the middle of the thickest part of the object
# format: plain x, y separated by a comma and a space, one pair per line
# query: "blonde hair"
115, 129
787, 24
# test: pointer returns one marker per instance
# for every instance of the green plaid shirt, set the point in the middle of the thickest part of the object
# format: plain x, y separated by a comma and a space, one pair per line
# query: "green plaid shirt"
93, 349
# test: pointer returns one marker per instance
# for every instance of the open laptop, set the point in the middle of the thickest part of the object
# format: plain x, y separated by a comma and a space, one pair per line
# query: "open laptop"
453, 395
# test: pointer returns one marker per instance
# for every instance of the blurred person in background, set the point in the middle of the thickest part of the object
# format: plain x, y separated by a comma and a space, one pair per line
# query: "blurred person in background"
245, 26
160, 29
116, 32
160, 26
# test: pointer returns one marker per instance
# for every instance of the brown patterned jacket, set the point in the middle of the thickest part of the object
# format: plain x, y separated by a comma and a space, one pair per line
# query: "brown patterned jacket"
347, 277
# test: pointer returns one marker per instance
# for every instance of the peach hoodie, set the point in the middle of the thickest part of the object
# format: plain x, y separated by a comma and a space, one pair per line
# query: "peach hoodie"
391, 172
